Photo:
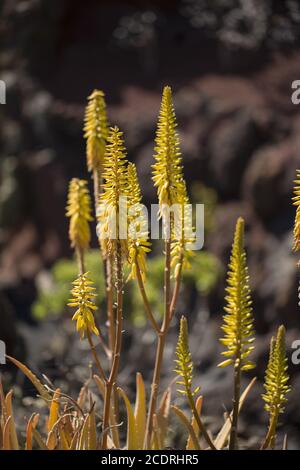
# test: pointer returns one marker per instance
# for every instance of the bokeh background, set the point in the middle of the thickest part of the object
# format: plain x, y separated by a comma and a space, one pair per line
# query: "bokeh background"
231, 64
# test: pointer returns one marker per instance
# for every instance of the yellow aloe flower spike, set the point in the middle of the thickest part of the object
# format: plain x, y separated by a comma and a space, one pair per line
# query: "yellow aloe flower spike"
238, 319
296, 201
114, 191
184, 368
83, 298
238, 322
276, 387
168, 178
184, 363
79, 212
167, 170
180, 254
95, 129
138, 244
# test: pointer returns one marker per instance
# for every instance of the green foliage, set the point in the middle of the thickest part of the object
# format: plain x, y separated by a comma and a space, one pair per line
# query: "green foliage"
52, 299
202, 275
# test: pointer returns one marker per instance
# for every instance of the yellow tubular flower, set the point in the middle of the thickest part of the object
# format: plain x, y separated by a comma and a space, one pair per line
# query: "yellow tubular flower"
95, 129
238, 319
138, 244
296, 200
167, 170
83, 298
114, 188
184, 364
79, 212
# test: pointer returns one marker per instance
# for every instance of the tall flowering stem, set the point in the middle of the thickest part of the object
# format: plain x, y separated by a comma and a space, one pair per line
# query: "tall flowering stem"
79, 211
182, 238
114, 246
184, 368
138, 244
296, 202
96, 134
238, 322
168, 179
276, 385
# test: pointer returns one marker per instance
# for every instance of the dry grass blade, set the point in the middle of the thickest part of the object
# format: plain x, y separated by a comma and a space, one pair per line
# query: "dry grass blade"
39, 440
113, 423
13, 433
157, 437
190, 444
6, 435
33, 379
51, 442
74, 442
32, 423
185, 421
162, 416
54, 410
83, 440
64, 445
131, 441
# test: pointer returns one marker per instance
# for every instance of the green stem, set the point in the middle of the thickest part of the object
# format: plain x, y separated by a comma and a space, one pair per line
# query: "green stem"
235, 410
199, 421
271, 435
117, 349
160, 347
94, 352
145, 299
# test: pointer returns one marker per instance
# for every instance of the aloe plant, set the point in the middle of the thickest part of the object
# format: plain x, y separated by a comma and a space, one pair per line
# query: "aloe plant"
73, 423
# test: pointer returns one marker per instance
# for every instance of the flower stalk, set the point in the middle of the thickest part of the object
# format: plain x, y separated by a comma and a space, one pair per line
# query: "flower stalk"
114, 248
184, 368
238, 323
168, 179
276, 385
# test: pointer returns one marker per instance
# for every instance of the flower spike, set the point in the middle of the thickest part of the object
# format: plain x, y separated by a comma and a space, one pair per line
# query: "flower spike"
184, 367
238, 319
182, 233
167, 170
83, 298
138, 244
111, 217
79, 211
276, 387
238, 323
296, 202
95, 130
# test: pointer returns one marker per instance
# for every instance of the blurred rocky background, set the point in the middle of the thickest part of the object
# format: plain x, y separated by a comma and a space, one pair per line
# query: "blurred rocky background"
231, 64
